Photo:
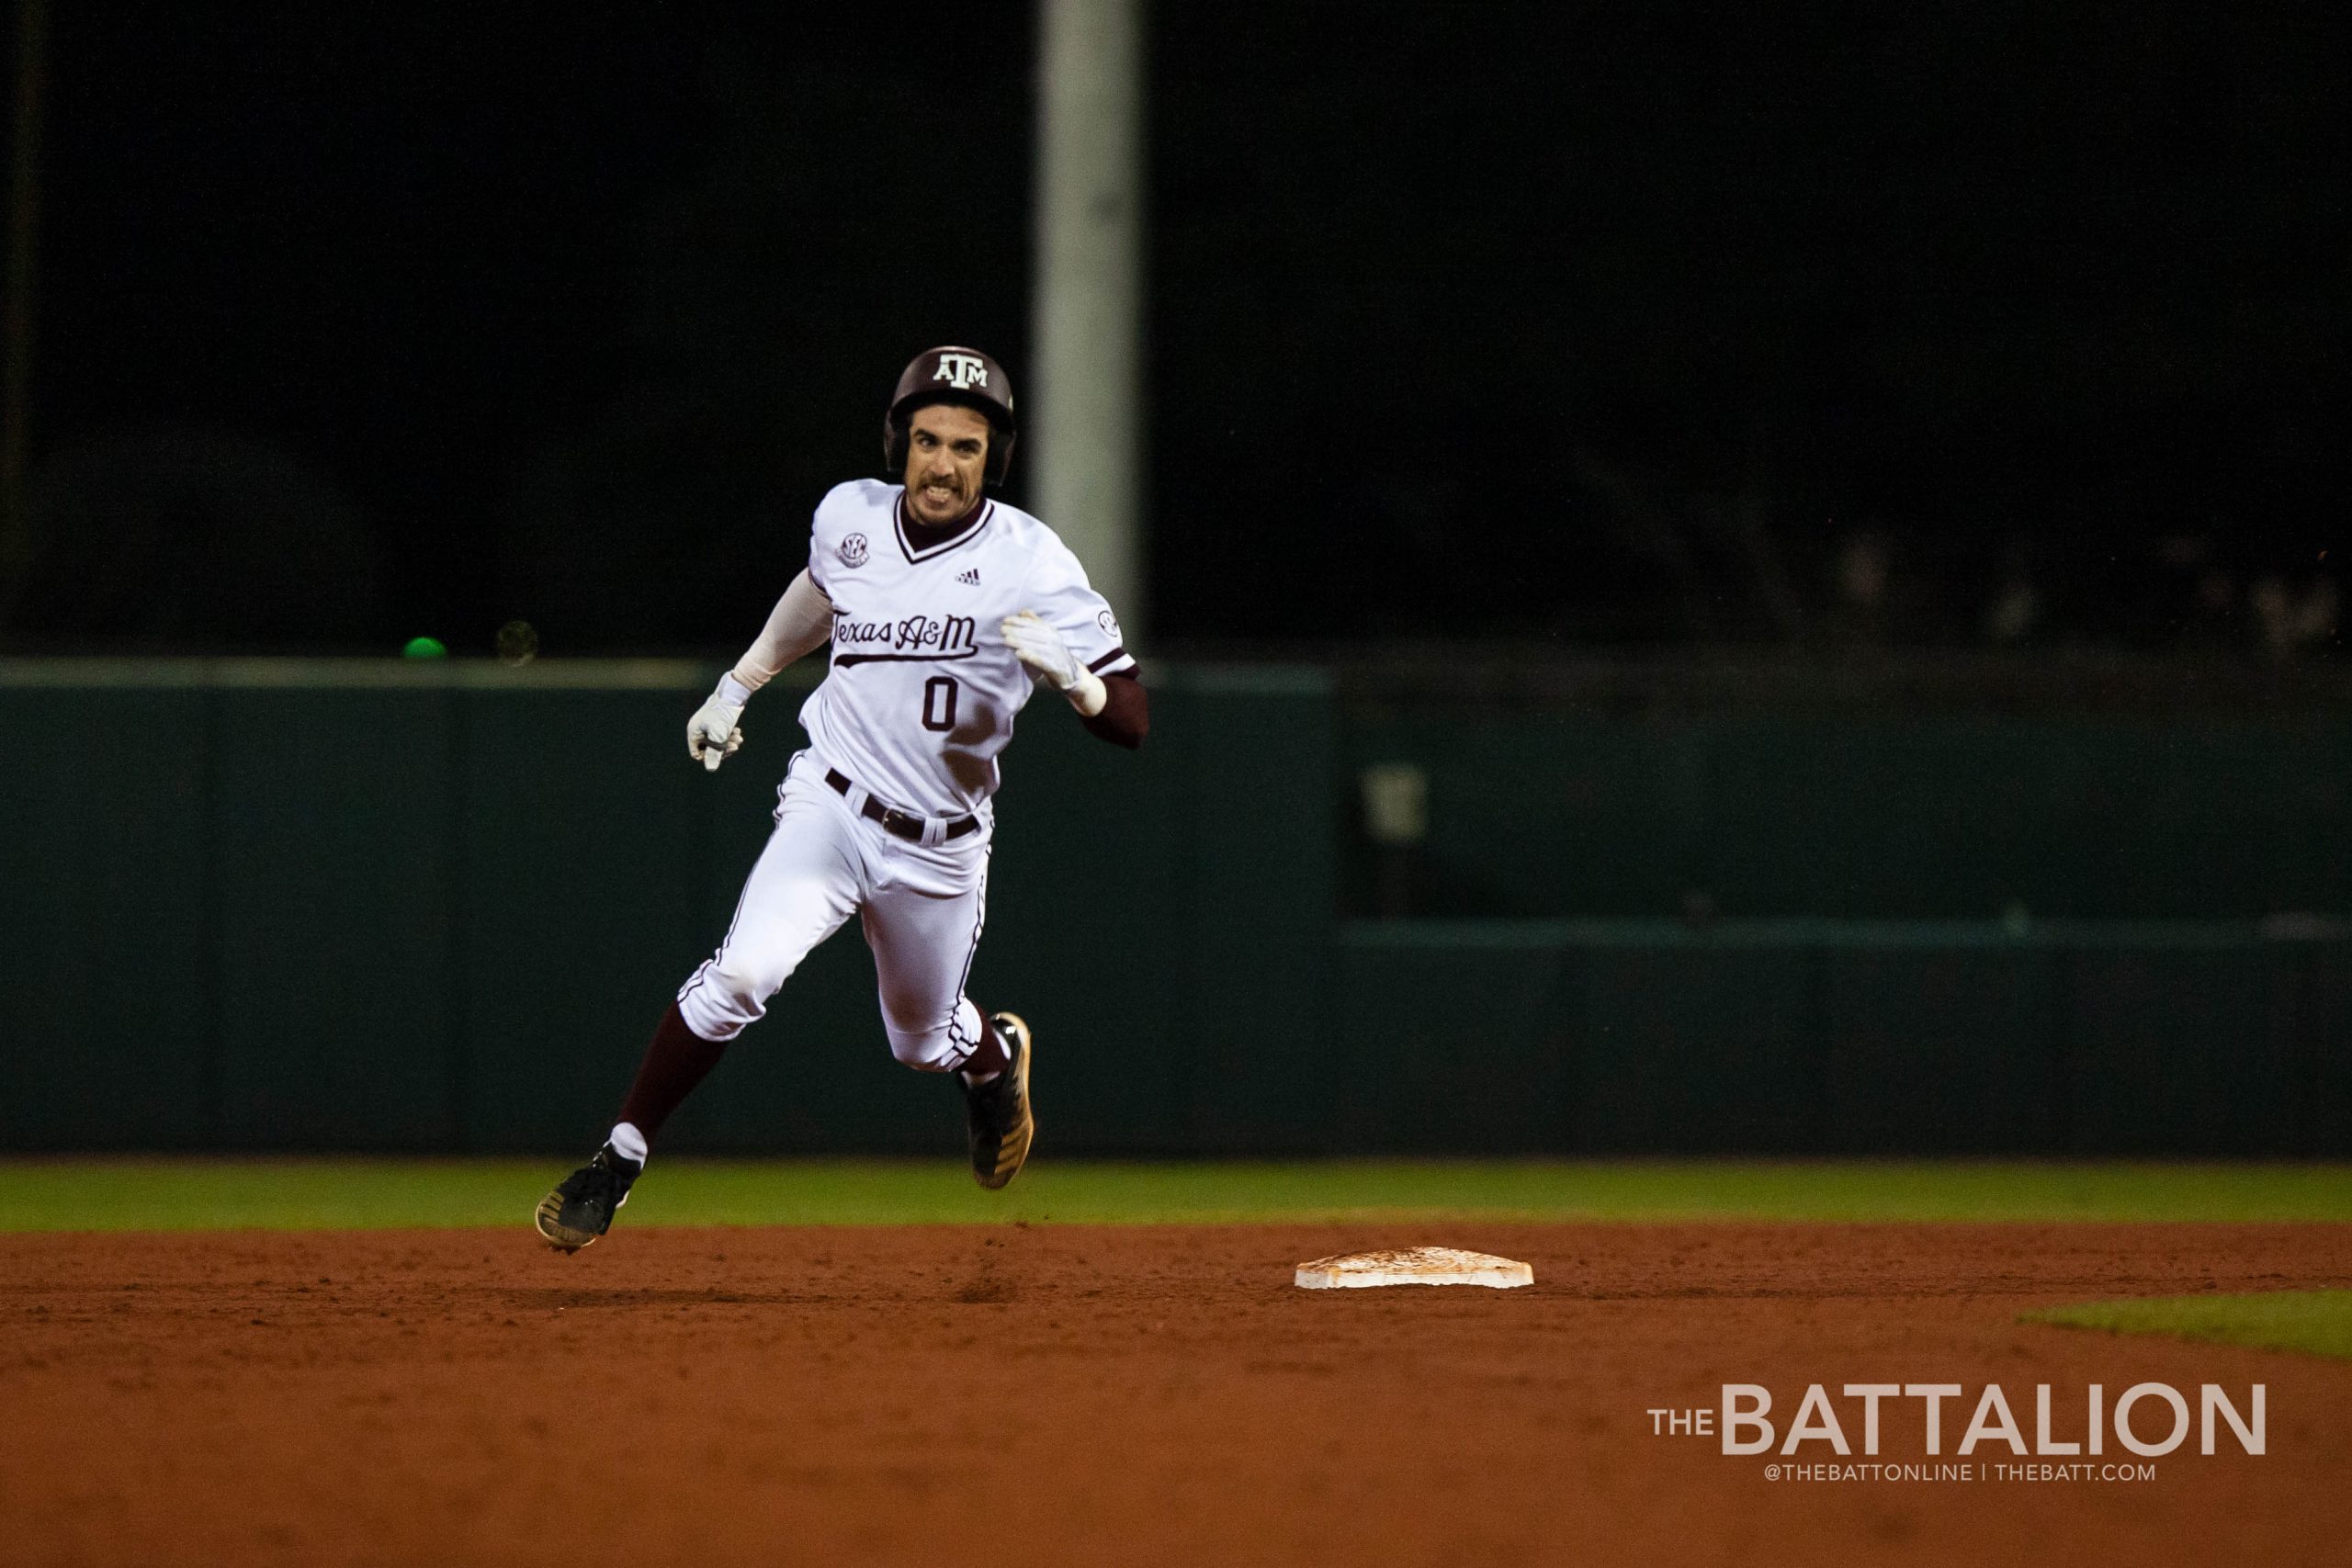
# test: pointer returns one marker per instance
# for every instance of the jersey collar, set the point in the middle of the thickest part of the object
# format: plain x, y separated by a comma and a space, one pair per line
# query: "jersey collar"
920, 543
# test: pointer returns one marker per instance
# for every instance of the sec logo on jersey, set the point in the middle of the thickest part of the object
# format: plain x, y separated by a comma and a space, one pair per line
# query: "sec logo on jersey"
1110, 625
853, 550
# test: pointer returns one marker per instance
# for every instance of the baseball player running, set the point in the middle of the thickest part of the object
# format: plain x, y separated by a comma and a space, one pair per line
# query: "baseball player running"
944, 608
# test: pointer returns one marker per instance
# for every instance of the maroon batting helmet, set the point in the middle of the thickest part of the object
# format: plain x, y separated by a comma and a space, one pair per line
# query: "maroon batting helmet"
952, 375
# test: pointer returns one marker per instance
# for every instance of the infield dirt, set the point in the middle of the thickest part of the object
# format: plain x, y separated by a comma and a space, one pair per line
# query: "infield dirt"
1066, 1394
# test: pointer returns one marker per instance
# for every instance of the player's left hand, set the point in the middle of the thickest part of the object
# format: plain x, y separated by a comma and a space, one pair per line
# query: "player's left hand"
1042, 651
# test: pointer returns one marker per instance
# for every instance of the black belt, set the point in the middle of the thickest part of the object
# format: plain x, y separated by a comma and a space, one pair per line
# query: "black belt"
899, 823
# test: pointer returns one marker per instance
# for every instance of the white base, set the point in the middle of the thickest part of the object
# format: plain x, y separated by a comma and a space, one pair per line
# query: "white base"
1413, 1266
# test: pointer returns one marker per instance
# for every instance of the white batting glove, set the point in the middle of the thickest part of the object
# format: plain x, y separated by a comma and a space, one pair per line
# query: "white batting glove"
1050, 662
711, 735
1042, 651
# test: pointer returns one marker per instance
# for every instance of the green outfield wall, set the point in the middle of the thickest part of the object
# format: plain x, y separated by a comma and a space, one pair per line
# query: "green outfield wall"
1808, 1036
263, 905
1544, 813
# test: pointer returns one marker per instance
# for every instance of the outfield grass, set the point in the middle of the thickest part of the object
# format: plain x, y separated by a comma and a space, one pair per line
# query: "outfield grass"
2319, 1322
187, 1193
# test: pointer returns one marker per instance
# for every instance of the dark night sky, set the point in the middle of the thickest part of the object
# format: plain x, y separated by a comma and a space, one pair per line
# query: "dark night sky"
1475, 320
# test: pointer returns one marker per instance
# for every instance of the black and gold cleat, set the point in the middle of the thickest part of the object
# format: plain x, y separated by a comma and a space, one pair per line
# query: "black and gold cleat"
996, 1115
581, 1207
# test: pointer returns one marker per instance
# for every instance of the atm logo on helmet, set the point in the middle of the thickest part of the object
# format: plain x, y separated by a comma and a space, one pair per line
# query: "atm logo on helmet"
961, 371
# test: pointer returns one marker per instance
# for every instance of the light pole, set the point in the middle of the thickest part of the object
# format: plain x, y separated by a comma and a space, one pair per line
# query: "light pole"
1084, 413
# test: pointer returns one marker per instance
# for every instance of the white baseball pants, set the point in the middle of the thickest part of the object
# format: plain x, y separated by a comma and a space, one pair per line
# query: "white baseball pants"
922, 908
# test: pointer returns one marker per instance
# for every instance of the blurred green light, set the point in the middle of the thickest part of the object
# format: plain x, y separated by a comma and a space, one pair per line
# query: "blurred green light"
424, 648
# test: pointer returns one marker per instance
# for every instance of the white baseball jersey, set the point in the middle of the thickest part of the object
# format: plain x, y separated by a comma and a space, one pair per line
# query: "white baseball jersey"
922, 691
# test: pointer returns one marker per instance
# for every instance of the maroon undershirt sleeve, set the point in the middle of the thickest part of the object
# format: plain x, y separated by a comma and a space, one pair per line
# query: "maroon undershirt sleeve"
1125, 718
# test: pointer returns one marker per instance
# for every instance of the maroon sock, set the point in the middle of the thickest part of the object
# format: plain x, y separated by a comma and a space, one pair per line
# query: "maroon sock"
992, 1054
677, 1059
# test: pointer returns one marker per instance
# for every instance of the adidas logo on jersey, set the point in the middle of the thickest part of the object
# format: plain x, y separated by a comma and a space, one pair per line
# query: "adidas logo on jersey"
971, 576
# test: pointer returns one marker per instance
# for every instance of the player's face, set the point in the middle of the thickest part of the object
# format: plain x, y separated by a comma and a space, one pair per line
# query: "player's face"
947, 452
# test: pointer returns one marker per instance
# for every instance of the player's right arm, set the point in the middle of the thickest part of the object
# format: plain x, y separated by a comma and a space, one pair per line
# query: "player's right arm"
801, 622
